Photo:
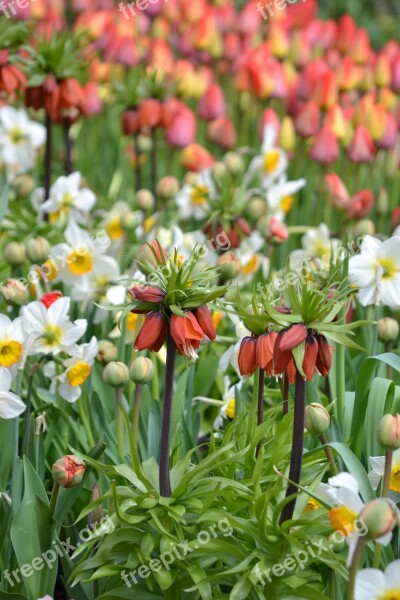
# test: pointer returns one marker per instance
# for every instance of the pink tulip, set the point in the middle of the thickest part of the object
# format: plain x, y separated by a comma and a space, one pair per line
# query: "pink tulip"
361, 149
182, 131
212, 104
221, 131
325, 148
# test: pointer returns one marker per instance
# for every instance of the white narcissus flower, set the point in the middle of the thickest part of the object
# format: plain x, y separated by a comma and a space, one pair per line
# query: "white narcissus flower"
250, 258
378, 468
11, 405
271, 163
19, 139
280, 196
82, 264
372, 584
51, 328
11, 342
192, 200
317, 245
78, 369
68, 198
376, 271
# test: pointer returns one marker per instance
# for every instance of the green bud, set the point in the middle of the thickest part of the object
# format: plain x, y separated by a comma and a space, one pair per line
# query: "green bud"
14, 253
380, 517
388, 329
37, 249
141, 370
107, 351
388, 432
116, 374
317, 419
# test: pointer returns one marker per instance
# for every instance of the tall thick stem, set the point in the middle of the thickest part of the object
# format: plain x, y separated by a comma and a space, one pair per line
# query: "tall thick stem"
165, 485
138, 166
154, 160
297, 445
260, 405
285, 405
68, 147
47, 156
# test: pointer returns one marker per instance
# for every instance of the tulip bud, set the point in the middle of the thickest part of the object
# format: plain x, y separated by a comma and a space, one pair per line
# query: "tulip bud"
37, 249
116, 374
107, 351
97, 514
257, 208
229, 266
234, 163
380, 517
24, 185
364, 227
388, 432
68, 471
219, 171
129, 222
287, 135
14, 253
317, 419
388, 329
141, 370
15, 292
167, 187
145, 200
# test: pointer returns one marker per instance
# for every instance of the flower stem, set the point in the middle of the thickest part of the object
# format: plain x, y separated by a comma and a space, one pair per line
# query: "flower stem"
47, 156
354, 568
138, 167
136, 412
120, 422
384, 493
297, 445
329, 455
53, 498
154, 160
165, 485
68, 147
260, 405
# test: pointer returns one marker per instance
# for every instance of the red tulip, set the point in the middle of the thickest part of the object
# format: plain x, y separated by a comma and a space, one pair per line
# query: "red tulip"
196, 158
325, 148
362, 149
149, 113
204, 318
182, 130
187, 333
130, 121
247, 358
212, 104
361, 204
153, 332
346, 35
307, 121
277, 230
338, 193
221, 131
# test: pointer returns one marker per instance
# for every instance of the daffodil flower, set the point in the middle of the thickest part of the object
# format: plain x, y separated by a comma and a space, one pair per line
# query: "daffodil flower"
68, 198
192, 200
19, 140
378, 468
51, 328
11, 405
376, 271
11, 343
372, 584
271, 163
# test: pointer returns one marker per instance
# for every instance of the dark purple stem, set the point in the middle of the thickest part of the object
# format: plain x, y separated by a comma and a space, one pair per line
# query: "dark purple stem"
68, 147
138, 167
165, 485
297, 446
47, 157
